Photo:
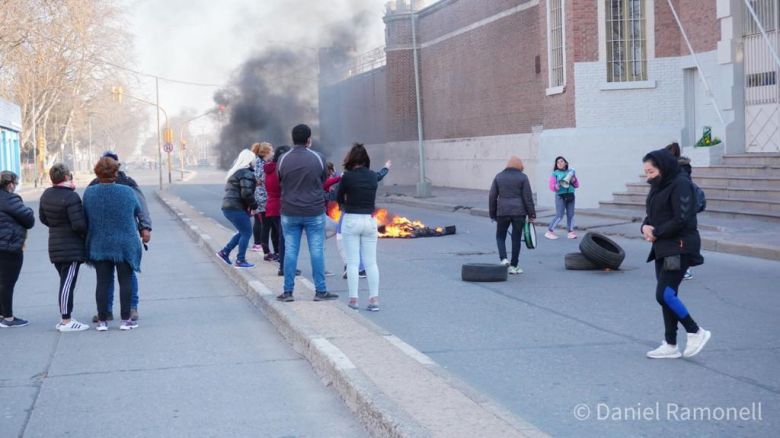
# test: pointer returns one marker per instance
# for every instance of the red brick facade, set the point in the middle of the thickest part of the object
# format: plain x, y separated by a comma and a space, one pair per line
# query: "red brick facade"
478, 68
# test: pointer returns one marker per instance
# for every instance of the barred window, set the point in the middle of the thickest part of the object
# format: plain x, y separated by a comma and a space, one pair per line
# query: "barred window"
556, 48
626, 41
767, 12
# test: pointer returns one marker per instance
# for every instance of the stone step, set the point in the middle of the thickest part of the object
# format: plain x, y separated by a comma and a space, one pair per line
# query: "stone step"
737, 182
714, 202
758, 159
740, 170
715, 211
716, 191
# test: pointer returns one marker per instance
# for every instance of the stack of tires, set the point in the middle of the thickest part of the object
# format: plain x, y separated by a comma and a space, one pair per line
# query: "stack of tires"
597, 251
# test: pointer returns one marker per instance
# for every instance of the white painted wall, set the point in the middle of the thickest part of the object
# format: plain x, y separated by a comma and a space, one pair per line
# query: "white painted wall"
605, 159
469, 163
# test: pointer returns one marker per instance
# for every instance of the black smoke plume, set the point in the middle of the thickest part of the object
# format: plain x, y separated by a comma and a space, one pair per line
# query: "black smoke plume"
277, 89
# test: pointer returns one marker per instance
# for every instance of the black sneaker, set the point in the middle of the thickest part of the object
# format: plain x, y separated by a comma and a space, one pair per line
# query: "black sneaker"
16, 322
325, 296
285, 297
281, 272
110, 317
373, 307
362, 274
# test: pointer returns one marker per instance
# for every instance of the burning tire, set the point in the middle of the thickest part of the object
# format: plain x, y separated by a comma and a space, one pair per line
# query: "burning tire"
602, 251
483, 272
575, 261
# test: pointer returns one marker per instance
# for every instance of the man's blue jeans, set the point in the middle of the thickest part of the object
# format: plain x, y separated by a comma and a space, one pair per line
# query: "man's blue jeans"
293, 227
241, 220
133, 297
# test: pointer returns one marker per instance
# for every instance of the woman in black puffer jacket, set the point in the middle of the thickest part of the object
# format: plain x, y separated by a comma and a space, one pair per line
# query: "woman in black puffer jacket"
61, 210
237, 203
671, 227
15, 219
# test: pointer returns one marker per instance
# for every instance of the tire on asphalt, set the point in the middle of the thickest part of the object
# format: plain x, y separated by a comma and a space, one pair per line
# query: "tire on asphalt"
602, 251
483, 272
575, 261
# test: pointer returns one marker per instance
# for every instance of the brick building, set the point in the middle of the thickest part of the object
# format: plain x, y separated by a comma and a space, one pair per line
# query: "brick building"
600, 82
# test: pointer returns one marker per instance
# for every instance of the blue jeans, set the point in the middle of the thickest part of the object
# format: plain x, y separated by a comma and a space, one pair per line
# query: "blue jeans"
133, 297
562, 207
241, 220
293, 227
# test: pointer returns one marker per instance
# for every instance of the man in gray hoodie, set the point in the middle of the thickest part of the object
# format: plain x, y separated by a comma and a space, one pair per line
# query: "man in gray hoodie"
302, 172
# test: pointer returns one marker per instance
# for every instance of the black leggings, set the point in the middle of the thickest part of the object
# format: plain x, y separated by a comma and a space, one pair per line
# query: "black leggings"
69, 273
10, 267
272, 227
674, 311
257, 230
105, 270
502, 226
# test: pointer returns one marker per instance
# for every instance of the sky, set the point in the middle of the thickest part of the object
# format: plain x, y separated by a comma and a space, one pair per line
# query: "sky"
206, 41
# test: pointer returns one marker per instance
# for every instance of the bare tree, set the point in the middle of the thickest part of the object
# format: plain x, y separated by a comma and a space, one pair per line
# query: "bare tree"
59, 60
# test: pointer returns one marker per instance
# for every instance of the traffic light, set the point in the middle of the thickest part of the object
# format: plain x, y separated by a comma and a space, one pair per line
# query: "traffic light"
168, 136
117, 93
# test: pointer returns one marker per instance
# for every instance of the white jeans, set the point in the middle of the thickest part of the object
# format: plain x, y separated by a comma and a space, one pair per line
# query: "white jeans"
360, 236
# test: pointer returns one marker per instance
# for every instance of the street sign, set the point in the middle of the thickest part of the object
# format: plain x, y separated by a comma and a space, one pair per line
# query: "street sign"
168, 147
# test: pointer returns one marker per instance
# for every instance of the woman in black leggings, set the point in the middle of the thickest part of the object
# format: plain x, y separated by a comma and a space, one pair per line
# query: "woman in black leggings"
671, 227
15, 219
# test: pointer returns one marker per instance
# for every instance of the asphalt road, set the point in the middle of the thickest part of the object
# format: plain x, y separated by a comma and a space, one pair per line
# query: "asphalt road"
566, 349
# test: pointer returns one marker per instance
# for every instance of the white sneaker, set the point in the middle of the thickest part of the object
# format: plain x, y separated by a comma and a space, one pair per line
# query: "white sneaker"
128, 325
665, 351
72, 326
515, 270
504, 262
688, 275
550, 235
572, 235
101, 326
696, 341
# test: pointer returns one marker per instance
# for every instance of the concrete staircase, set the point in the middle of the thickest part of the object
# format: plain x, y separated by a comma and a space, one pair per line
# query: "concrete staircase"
745, 186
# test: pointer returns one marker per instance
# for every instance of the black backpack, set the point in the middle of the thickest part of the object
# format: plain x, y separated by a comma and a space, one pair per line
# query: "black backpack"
701, 199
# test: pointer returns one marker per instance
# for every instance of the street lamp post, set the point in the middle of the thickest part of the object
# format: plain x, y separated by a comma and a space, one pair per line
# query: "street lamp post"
423, 186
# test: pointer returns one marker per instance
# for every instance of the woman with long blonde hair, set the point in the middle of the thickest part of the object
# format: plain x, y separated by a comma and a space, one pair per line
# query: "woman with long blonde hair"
237, 204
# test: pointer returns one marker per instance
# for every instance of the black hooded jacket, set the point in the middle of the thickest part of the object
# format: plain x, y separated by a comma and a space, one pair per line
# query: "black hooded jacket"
240, 191
15, 219
671, 210
61, 210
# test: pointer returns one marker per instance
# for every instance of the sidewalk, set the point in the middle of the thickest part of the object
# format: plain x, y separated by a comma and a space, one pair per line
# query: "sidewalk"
394, 389
740, 237
203, 362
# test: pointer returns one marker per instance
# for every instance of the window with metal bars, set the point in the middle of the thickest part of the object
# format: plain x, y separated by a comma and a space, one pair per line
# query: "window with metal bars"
767, 11
626, 40
556, 47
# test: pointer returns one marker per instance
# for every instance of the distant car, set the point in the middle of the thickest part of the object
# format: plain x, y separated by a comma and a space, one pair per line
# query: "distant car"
203, 163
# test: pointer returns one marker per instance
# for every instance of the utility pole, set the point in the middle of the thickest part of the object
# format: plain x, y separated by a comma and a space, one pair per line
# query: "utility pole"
159, 135
423, 186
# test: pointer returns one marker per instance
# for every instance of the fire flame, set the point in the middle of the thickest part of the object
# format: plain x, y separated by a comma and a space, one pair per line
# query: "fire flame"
394, 225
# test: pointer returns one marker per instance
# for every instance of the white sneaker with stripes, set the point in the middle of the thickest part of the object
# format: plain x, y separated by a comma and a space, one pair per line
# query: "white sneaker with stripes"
72, 326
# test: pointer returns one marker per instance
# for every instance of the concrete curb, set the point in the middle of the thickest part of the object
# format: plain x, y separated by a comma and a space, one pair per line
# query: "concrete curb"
381, 416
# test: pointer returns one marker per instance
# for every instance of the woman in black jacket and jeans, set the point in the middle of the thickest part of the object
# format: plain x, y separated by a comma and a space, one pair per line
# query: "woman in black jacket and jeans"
15, 219
61, 210
671, 227
511, 200
237, 203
